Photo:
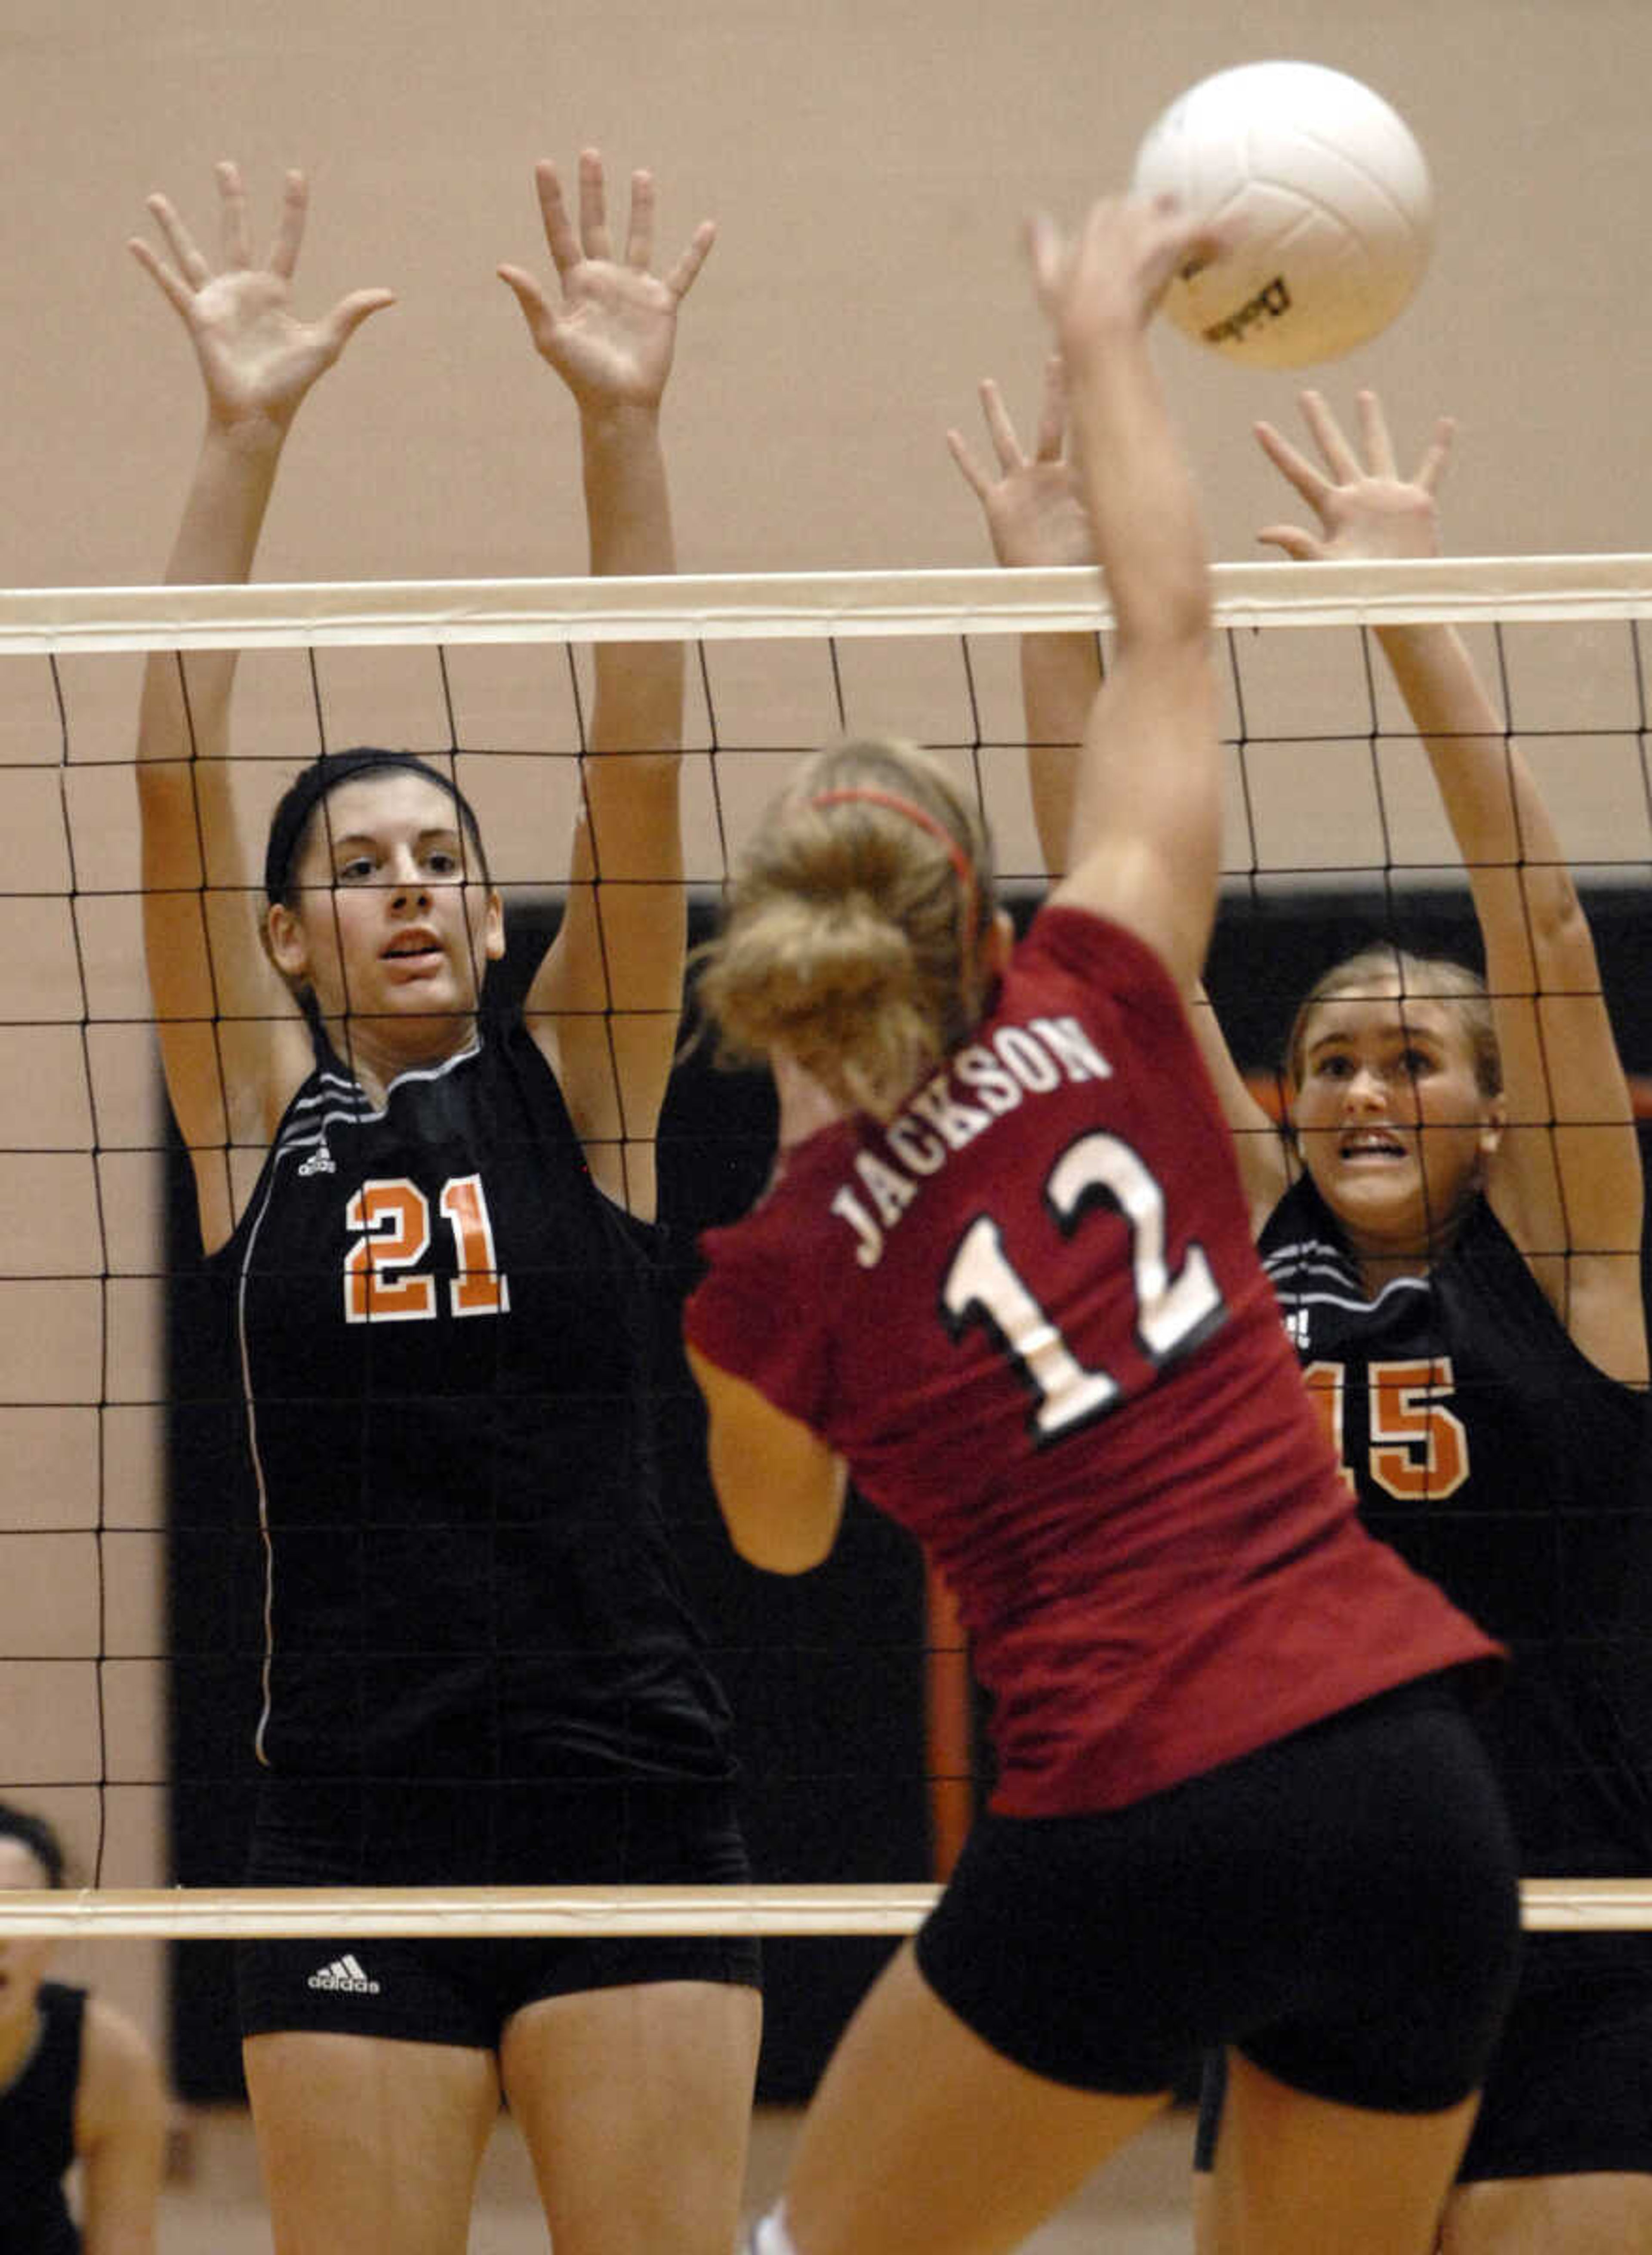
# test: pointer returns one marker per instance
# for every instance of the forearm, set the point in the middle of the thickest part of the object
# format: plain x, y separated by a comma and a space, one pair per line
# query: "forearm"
639, 686
1509, 843
1139, 494
1059, 677
216, 541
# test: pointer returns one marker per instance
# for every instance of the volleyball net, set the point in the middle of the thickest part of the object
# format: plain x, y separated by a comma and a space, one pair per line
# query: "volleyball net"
1331, 821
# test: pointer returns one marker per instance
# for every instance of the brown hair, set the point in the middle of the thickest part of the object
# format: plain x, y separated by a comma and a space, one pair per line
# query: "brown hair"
851, 924
1419, 978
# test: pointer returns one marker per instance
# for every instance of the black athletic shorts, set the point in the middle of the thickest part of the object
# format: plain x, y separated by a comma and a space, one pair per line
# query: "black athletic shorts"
1568, 2091
462, 1991
1343, 1905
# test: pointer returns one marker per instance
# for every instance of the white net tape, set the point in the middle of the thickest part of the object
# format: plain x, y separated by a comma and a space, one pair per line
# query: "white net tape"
174, 1913
719, 607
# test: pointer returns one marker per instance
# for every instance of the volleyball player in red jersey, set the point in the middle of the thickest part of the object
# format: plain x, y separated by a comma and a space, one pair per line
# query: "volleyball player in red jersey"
1453, 1234
1021, 1309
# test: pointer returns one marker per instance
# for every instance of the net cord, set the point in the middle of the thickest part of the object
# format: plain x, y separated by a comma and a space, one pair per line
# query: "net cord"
177, 1913
727, 605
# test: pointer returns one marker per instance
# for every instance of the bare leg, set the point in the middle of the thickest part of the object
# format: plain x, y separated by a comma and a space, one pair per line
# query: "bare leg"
366, 2143
635, 2104
923, 2140
1206, 2238
1296, 2176
1594, 2215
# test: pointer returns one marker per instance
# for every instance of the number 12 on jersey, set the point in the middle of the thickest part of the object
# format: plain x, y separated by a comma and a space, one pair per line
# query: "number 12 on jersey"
1172, 1313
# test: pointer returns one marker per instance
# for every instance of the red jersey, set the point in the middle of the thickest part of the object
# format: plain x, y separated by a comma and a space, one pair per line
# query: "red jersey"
1028, 1312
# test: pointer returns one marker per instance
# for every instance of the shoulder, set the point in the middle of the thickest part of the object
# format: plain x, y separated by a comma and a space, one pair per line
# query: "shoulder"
1095, 951
1300, 1214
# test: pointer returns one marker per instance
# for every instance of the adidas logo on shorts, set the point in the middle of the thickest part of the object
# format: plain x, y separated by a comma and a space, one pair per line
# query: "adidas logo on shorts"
344, 1973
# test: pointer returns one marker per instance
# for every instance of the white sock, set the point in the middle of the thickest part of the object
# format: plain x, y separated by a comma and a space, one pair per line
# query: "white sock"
772, 2237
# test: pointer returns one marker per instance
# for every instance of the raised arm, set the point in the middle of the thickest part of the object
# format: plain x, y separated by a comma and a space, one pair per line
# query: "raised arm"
231, 1044
1566, 1181
606, 1002
1035, 516
1146, 833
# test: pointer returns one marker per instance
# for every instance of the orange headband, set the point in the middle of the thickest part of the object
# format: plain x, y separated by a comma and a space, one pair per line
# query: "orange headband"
963, 866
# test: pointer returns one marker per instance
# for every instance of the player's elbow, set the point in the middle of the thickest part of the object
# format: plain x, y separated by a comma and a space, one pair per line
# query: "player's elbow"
782, 1527
775, 1552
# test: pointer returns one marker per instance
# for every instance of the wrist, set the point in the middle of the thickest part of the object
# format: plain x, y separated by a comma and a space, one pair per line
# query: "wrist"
251, 435
613, 425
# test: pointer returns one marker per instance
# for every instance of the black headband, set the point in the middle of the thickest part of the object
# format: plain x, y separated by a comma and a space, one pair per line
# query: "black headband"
306, 791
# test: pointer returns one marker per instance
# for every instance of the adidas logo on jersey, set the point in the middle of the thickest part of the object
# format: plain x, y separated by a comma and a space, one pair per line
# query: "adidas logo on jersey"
318, 1162
344, 1973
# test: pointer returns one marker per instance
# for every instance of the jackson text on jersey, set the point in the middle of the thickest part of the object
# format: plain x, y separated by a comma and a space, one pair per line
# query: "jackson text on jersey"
979, 1083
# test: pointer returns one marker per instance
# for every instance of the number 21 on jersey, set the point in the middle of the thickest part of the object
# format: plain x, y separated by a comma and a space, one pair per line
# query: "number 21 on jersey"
382, 1281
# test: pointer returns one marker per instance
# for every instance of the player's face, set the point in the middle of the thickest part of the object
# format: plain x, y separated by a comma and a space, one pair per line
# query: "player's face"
1390, 1118
23, 1960
392, 924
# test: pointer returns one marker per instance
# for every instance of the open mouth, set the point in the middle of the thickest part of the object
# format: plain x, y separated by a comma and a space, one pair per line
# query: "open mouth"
1370, 1143
417, 949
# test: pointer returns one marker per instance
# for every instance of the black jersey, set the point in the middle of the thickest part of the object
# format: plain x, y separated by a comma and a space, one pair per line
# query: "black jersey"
1496, 1458
444, 1331
37, 2131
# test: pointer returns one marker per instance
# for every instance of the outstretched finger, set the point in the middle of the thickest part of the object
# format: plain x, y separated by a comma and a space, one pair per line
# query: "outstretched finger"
1187, 241
1313, 484
189, 262
1436, 456
594, 206
154, 265
639, 233
536, 309
563, 244
350, 314
1302, 547
974, 476
682, 277
232, 215
1373, 436
1339, 456
1006, 444
1052, 411
289, 235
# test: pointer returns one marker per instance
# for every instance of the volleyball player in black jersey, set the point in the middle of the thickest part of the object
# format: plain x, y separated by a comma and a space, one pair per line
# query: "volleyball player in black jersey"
479, 1667
1452, 1227
79, 2085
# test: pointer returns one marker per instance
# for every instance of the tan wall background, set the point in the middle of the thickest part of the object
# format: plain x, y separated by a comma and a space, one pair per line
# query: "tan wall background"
869, 167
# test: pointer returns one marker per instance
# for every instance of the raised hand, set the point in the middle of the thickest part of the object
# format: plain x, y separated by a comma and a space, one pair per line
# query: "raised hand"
1365, 506
257, 359
612, 335
1112, 272
1033, 512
